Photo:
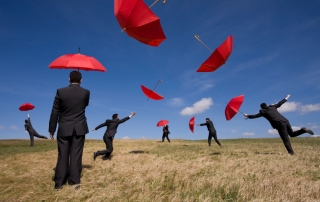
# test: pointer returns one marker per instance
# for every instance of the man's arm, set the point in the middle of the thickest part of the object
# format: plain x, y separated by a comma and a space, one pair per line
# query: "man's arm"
202, 124
101, 125
54, 115
127, 118
282, 101
252, 116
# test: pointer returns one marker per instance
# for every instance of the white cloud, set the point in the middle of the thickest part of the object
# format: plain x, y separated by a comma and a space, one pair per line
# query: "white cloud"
14, 127
314, 127
234, 131
176, 102
272, 131
126, 138
294, 128
289, 107
247, 134
1, 127
197, 107
310, 108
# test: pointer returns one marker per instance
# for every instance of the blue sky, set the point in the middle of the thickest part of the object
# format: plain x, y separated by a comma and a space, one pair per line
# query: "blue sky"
276, 52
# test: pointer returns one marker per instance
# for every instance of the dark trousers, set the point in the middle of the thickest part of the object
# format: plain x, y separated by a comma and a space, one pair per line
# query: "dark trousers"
32, 137
214, 135
69, 164
109, 147
285, 129
165, 135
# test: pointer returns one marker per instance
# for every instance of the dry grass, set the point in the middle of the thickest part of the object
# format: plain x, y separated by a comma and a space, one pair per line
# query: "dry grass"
149, 170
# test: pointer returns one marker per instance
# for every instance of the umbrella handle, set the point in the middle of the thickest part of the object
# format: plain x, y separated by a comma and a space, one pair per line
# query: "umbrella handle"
156, 86
198, 38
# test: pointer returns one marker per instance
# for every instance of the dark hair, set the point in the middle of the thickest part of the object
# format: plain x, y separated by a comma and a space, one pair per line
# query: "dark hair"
27, 121
114, 116
263, 105
75, 77
207, 119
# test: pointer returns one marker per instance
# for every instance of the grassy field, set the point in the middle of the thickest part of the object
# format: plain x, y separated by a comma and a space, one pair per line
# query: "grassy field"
149, 170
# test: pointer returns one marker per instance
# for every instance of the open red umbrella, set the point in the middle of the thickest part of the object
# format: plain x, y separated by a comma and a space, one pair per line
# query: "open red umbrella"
151, 94
233, 107
77, 61
138, 21
191, 124
162, 123
26, 107
218, 57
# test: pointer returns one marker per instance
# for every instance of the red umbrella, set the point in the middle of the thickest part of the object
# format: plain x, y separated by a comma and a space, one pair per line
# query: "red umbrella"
138, 21
162, 123
191, 124
233, 107
77, 61
26, 107
218, 57
151, 94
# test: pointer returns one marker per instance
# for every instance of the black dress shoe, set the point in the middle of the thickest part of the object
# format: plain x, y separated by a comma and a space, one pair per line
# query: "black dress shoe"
95, 155
308, 131
57, 187
106, 158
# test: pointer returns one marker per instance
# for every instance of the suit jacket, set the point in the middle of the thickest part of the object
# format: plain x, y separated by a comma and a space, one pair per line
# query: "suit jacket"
209, 125
112, 125
166, 129
271, 114
69, 111
28, 126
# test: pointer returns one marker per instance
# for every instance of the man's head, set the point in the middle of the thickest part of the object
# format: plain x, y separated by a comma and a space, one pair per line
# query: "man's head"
26, 121
207, 119
115, 116
263, 105
75, 77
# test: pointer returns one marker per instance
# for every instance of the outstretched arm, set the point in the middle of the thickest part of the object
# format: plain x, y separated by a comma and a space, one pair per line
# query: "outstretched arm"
202, 124
282, 101
252, 116
100, 126
127, 118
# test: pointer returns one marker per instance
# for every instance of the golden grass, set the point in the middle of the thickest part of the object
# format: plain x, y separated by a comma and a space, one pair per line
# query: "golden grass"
149, 170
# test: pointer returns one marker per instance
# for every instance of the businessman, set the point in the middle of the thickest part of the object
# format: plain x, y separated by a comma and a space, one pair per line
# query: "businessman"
279, 122
166, 133
69, 112
212, 131
112, 125
28, 128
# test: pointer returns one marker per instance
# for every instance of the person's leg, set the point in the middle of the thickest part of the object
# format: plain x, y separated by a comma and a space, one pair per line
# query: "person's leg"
167, 136
163, 136
109, 143
209, 138
297, 132
76, 151
215, 138
62, 167
39, 136
31, 139
106, 151
282, 129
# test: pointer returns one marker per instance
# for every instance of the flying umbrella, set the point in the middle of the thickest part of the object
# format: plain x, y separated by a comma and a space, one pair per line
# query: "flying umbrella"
191, 124
138, 21
77, 61
26, 107
218, 57
162, 123
233, 107
150, 93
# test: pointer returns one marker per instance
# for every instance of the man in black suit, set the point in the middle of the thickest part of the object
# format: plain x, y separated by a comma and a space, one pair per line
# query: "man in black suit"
69, 111
111, 131
279, 122
166, 133
212, 131
28, 127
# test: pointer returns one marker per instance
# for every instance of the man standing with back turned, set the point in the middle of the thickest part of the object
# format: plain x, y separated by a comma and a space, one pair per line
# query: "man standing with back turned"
279, 122
69, 111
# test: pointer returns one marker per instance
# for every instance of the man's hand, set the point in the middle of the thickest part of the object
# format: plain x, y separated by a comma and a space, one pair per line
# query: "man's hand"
133, 113
246, 115
93, 129
28, 116
198, 124
288, 96
25, 131
52, 136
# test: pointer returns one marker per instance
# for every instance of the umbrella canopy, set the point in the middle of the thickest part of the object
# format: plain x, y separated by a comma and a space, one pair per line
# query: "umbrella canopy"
77, 61
151, 94
233, 107
26, 107
138, 21
191, 124
162, 123
218, 57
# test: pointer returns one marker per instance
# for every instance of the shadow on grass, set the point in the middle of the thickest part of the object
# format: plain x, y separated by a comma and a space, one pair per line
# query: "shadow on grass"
185, 145
216, 153
138, 152
266, 153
